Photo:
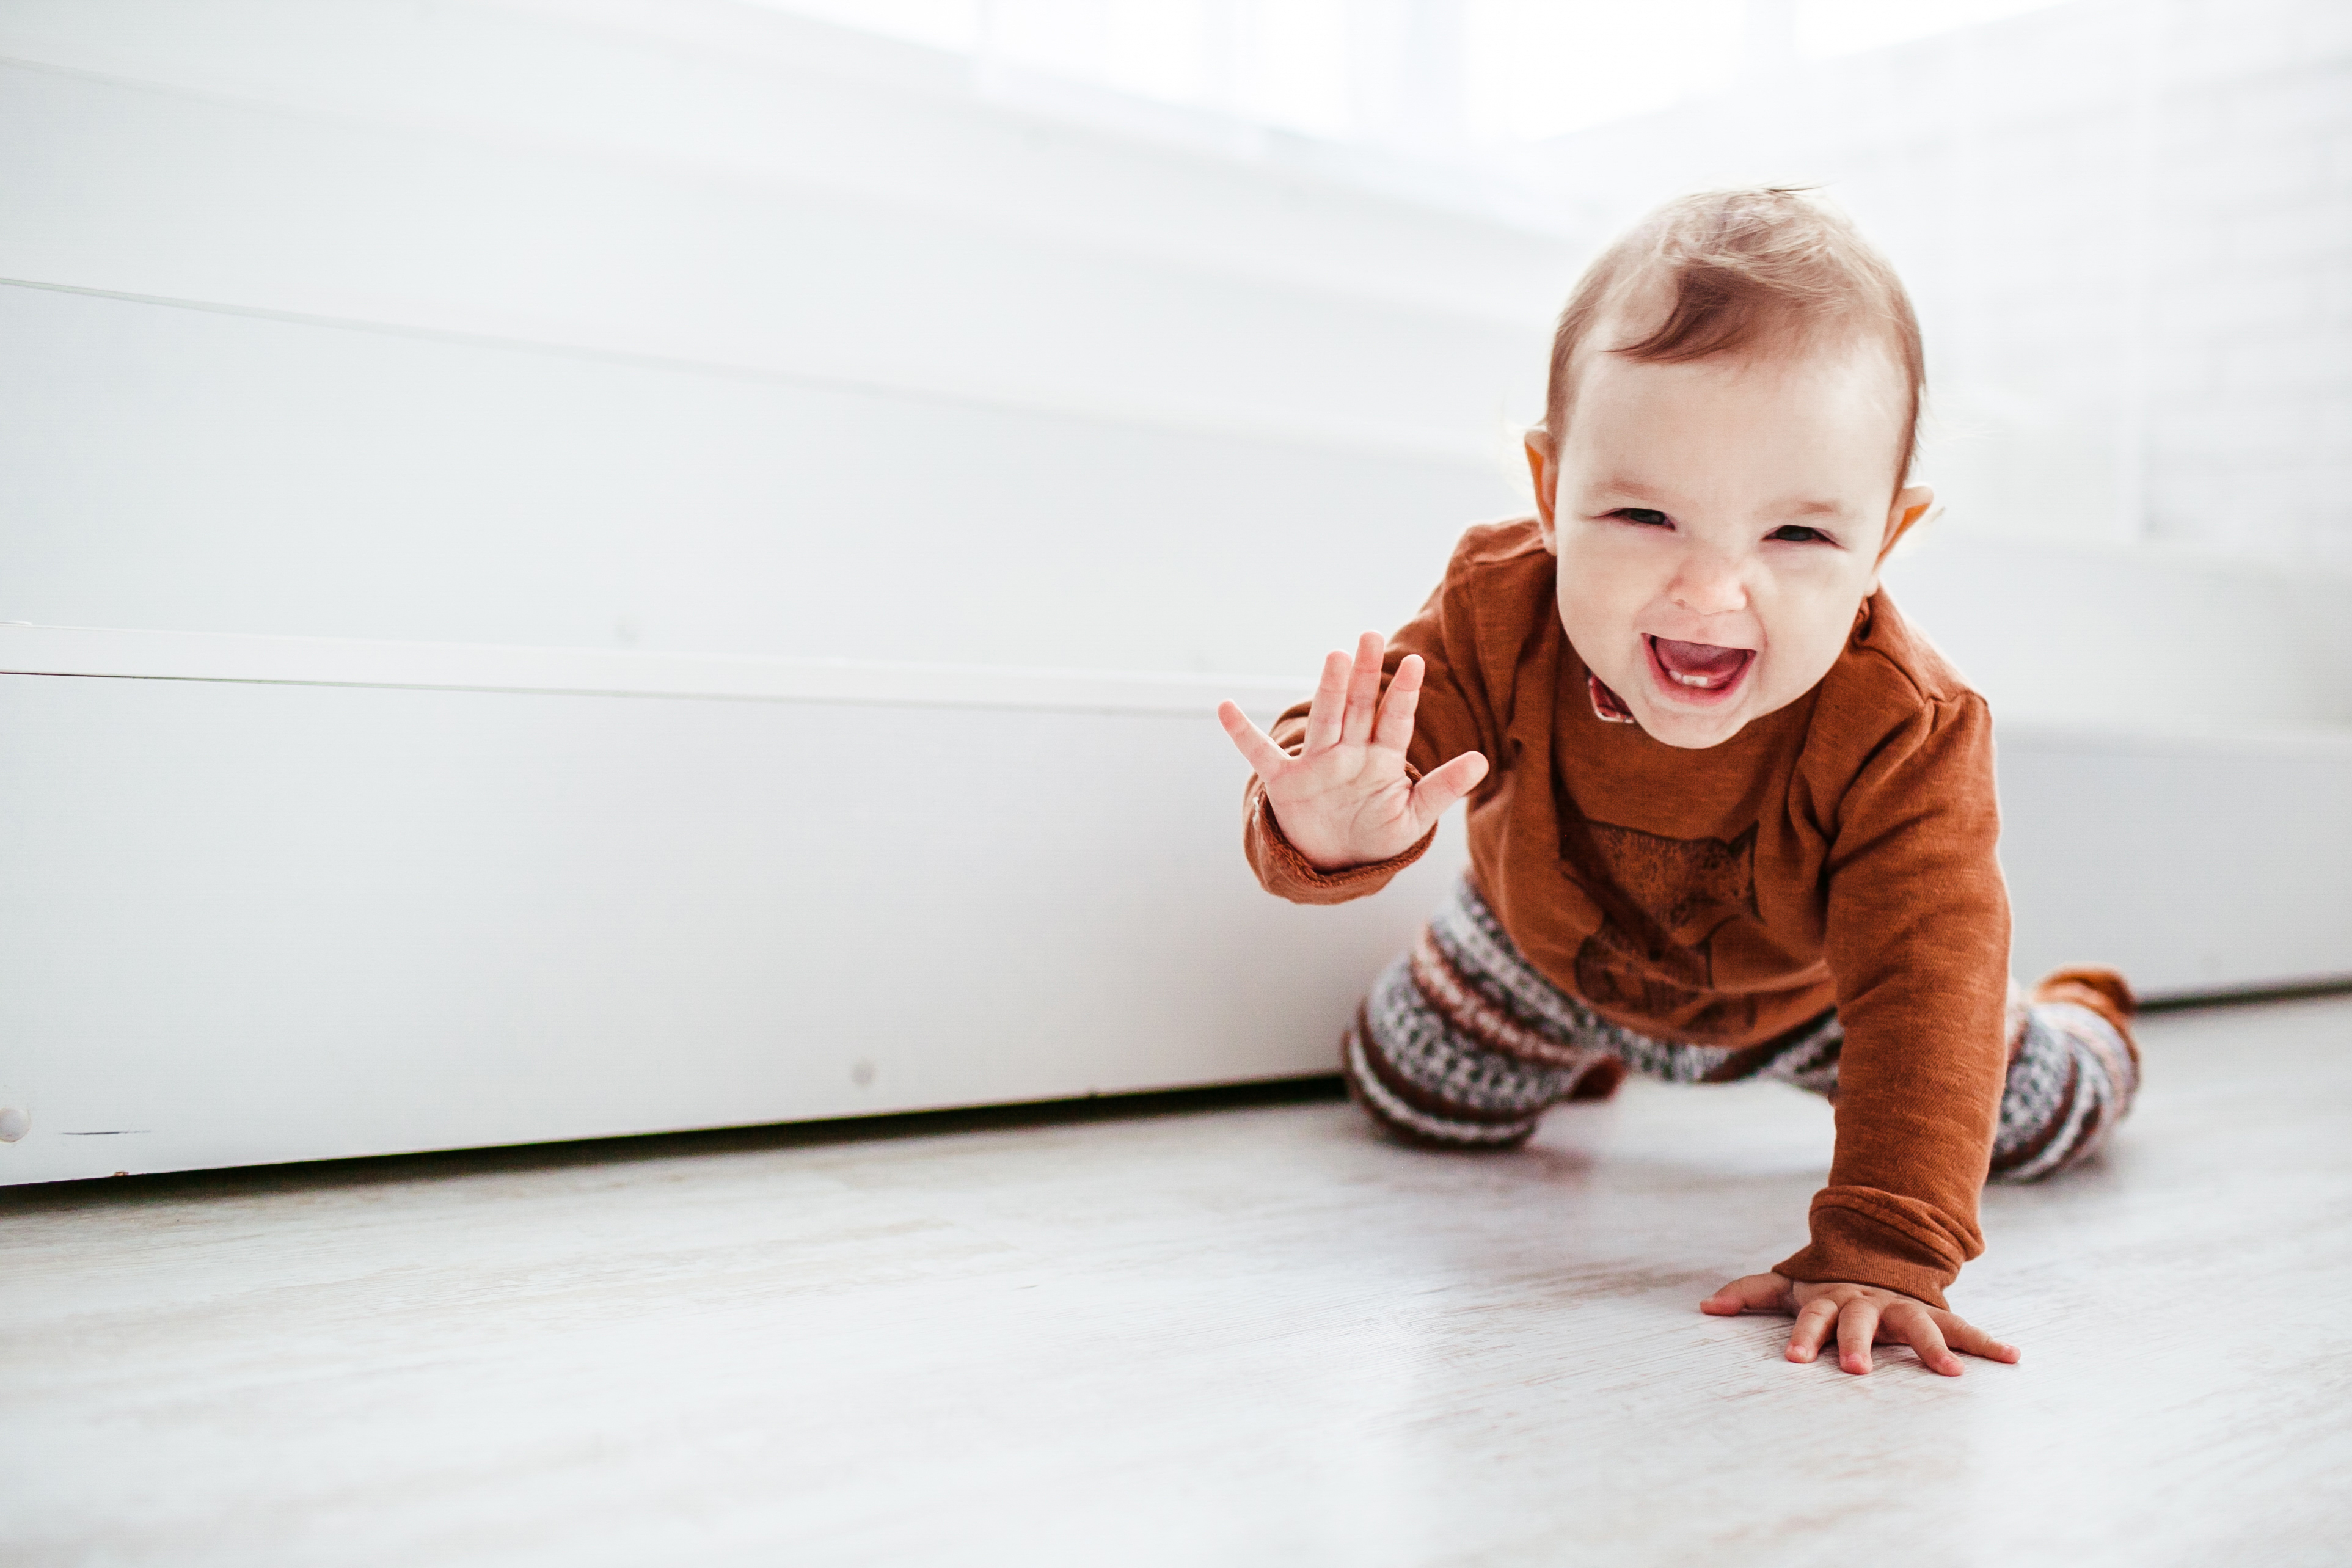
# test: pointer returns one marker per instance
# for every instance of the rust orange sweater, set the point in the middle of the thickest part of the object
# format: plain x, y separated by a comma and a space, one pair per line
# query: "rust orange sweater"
1837, 852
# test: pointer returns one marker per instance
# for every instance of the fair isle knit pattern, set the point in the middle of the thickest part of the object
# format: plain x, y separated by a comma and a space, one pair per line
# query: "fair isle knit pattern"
1462, 1043
2071, 1079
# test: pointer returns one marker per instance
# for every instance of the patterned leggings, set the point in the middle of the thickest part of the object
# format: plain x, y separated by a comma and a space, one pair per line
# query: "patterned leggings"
1460, 1043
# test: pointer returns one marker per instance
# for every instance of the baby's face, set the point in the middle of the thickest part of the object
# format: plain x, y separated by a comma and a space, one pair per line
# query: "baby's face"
1717, 524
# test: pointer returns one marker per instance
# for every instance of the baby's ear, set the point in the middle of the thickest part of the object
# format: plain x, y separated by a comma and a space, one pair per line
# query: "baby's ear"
1544, 471
1911, 504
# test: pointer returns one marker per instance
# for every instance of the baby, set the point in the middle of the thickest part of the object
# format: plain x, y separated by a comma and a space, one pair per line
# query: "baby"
1729, 816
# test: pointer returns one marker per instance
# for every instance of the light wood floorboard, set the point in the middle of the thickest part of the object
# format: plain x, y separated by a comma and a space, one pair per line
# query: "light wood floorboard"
1254, 1336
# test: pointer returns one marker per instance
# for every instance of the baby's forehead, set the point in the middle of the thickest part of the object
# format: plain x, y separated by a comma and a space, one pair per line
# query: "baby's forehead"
1838, 365
1828, 420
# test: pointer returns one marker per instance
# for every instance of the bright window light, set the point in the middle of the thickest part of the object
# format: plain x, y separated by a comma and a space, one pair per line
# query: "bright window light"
1830, 28
1294, 66
942, 23
1504, 70
1180, 53
1541, 68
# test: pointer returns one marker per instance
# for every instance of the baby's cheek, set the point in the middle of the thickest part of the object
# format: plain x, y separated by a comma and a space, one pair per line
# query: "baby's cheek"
1807, 631
1600, 635
1598, 591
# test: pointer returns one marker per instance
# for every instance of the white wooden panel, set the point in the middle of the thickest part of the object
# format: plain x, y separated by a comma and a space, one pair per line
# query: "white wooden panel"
248, 922
162, 194
2192, 863
205, 472
577, 671
2138, 638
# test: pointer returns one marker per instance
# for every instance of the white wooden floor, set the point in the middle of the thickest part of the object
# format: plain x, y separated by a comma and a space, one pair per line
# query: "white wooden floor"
1244, 1336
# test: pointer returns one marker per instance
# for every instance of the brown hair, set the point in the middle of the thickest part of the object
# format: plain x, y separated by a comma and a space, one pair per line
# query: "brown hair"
1750, 269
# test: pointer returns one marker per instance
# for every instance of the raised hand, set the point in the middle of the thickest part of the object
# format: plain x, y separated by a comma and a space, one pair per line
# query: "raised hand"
1345, 800
1859, 1316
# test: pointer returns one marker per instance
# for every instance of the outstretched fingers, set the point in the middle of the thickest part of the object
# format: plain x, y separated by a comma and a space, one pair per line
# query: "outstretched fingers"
1915, 1326
1964, 1336
1326, 712
1265, 757
1857, 1326
1394, 731
1363, 692
1857, 1318
1815, 1319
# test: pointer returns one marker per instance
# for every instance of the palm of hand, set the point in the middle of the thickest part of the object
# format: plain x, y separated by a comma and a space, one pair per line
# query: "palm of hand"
1347, 797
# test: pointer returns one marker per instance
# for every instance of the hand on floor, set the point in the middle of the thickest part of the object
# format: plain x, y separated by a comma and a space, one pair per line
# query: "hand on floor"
1860, 1316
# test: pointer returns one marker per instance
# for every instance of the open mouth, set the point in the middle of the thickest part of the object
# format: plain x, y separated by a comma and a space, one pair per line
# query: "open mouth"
1697, 672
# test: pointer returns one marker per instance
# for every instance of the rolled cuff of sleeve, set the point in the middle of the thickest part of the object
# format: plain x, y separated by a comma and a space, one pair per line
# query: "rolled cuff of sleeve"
1283, 871
1864, 1237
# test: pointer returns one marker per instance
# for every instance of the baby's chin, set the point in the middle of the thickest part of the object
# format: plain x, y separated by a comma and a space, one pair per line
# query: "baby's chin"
1690, 731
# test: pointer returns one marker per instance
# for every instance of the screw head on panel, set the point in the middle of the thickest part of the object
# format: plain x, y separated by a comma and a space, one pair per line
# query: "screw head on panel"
15, 1123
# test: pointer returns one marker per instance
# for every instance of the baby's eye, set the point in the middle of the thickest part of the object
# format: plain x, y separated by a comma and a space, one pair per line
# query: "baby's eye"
1642, 515
1796, 534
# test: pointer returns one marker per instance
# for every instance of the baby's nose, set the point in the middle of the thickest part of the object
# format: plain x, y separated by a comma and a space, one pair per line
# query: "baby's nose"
1709, 585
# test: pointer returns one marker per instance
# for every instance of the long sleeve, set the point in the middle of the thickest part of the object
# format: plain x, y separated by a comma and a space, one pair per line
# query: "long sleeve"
1454, 716
1918, 939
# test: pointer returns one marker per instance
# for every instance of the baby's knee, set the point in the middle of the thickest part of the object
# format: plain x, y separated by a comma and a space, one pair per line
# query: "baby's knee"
1419, 1107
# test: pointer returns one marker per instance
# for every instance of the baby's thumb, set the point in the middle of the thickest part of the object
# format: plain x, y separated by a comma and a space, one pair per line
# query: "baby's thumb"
1436, 792
1752, 1293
